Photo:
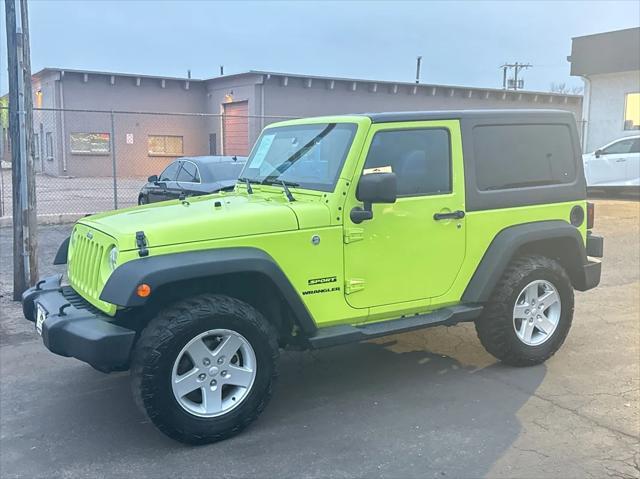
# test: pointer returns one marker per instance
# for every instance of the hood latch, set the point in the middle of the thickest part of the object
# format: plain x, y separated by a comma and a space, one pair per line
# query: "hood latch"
141, 243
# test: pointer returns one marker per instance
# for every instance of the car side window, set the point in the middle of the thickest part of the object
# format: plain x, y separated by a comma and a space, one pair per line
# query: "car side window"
619, 148
189, 173
635, 148
170, 172
420, 158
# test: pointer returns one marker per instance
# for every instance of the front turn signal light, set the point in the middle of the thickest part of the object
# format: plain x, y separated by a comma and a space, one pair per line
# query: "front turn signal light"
143, 290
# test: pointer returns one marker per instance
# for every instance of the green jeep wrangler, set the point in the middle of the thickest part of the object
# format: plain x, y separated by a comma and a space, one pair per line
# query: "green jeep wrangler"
340, 229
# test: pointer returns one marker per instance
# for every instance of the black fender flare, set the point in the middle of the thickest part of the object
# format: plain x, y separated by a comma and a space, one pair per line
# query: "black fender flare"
508, 241
63, 252
156, 271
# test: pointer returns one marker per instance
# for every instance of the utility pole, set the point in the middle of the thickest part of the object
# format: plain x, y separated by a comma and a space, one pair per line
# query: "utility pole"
25, 262
516, 69
418, 62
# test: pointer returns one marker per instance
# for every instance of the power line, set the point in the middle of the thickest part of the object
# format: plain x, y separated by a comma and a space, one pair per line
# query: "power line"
513, 83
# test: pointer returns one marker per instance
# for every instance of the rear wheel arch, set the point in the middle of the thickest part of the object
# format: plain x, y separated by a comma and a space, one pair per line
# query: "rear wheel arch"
554, 239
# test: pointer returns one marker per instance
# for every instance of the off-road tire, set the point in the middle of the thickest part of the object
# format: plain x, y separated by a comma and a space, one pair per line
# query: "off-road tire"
163, 339
495, 327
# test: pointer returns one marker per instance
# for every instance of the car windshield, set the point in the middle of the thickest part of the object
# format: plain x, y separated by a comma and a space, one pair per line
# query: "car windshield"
309, 156
224, 170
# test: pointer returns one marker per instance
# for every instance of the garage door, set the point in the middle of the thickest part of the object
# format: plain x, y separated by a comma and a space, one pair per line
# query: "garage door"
236, 128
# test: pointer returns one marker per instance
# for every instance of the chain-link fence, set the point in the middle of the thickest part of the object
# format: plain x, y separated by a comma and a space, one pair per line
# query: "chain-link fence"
88, 161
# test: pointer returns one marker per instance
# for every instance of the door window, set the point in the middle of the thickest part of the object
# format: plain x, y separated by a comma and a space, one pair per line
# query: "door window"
171, 172
420, 158
619, 148
188, 173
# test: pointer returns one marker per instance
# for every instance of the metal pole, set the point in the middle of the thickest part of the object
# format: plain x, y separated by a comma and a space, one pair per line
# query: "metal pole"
31, 219
24, 218
113, 162
418, 62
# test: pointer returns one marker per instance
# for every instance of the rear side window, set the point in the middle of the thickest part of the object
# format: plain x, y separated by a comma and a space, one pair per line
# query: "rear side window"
517, 156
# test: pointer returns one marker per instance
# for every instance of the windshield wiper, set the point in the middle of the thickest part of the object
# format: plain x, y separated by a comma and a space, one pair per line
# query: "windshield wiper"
247, 182
285, 186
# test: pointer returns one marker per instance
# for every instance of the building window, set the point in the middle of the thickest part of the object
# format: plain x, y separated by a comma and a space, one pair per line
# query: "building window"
165, 145
36, 146
632, 111
90, 143
49, 145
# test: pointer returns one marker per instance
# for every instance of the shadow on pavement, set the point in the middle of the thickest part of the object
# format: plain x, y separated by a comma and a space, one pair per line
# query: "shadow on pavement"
359, 410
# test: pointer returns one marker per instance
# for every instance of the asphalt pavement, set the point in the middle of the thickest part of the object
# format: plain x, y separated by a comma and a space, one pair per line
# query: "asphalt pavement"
428, 404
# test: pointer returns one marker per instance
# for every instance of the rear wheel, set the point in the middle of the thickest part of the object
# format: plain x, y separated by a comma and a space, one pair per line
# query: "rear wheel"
530, 312
204, 369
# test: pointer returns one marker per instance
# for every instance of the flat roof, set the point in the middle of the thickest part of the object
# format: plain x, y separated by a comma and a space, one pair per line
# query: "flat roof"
607, 52
305, 76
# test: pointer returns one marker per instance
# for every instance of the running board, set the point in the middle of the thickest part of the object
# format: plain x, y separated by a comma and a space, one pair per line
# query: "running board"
335, 335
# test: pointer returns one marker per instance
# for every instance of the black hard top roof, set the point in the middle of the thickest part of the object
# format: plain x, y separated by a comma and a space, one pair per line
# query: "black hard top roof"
519, 114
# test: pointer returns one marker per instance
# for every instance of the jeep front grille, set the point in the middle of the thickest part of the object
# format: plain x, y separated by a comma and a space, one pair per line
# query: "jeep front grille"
85, 266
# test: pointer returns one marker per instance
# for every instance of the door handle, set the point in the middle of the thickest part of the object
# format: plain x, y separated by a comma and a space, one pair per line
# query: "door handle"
621, 160
454, 215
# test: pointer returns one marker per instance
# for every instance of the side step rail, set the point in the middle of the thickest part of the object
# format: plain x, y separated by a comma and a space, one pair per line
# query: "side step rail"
335, 335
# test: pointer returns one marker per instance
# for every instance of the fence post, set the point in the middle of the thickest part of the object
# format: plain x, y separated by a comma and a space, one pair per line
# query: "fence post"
113, 162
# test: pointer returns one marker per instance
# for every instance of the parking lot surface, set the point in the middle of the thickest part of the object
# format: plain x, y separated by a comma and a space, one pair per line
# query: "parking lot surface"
428, 404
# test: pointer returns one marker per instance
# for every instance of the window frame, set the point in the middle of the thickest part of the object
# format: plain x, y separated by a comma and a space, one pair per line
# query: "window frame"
169, 155
49, 146
182, 162
36, 146
624, 111
418, 128
90, 153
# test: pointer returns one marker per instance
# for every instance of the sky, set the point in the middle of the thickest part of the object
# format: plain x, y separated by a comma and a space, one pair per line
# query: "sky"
461, 43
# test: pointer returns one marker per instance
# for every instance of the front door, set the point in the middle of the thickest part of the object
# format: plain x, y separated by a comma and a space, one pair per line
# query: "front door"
610, 167
406, 253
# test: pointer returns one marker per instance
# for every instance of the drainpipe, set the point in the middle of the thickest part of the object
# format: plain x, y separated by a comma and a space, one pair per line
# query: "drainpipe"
64, 143
586, 110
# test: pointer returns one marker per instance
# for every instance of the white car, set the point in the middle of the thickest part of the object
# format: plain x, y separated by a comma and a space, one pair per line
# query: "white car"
615, 165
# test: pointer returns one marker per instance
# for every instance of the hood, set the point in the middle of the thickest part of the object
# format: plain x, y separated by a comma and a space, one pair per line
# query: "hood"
199, 219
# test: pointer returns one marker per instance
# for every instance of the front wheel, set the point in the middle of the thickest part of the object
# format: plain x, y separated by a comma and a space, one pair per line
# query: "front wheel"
204, 368
530, 312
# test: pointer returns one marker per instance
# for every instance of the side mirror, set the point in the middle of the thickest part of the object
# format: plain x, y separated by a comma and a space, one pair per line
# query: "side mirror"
153, 179
598, 153
374, 188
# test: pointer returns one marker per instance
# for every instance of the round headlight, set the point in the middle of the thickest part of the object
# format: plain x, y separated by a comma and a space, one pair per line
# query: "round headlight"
113, 258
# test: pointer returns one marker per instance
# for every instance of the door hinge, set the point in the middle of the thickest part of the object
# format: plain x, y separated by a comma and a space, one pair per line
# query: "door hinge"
353, 285
351, 235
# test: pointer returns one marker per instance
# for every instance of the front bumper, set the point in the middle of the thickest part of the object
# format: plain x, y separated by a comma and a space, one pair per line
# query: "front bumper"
75, 329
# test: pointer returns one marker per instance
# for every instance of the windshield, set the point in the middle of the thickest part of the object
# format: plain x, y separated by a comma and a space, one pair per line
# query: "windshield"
224, 170
309, 156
